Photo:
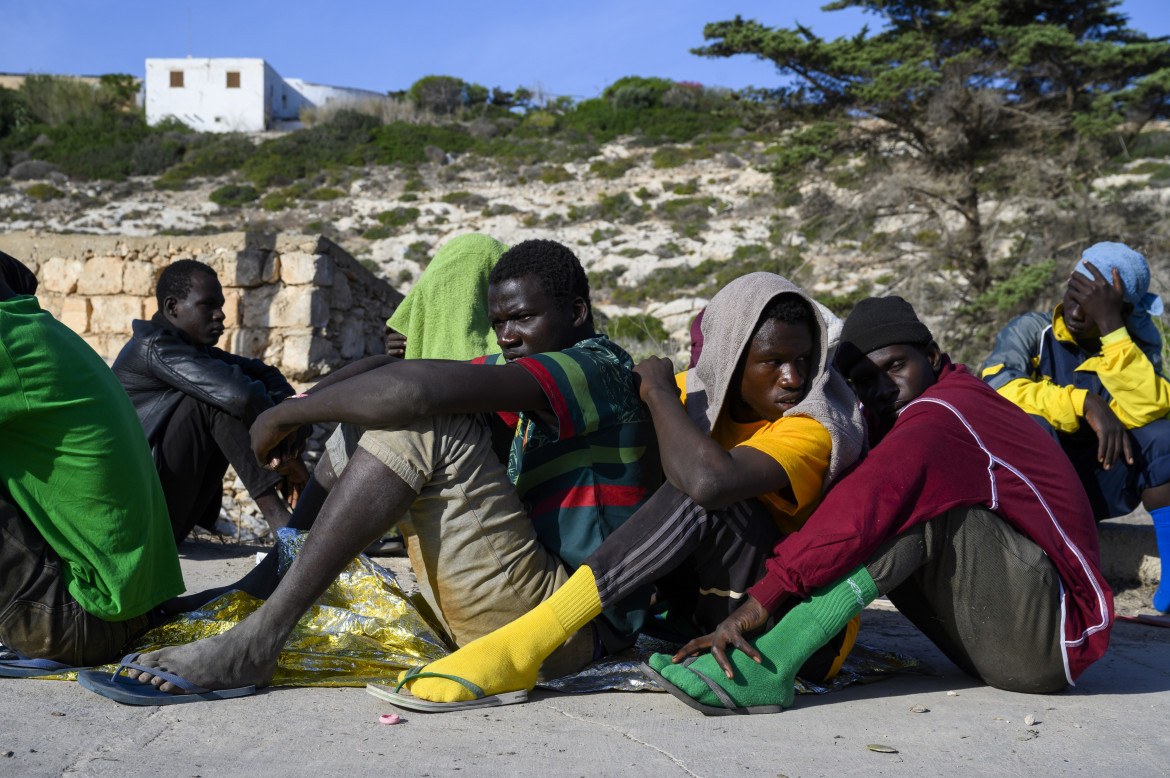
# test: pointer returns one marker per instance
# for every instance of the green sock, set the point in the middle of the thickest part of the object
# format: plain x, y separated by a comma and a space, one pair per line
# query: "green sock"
784, 649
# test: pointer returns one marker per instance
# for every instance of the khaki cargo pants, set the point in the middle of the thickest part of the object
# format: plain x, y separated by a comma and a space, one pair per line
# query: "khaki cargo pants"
476, 555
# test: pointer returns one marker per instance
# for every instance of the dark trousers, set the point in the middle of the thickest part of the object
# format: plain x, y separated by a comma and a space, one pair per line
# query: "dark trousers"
705, 560
39, 618
196, 447
985, 594
1118, 490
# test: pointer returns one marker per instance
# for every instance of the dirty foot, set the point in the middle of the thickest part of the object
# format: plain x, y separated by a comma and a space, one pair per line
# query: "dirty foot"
228, 661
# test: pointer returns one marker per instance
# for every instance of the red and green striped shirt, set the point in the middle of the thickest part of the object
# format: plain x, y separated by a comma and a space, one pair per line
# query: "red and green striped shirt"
581, 469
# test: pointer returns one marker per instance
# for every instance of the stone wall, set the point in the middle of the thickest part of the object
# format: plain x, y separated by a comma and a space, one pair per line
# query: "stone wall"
303, 305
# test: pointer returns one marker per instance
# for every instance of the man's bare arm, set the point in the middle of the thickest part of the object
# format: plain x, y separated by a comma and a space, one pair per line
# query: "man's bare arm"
401, 392
693, 461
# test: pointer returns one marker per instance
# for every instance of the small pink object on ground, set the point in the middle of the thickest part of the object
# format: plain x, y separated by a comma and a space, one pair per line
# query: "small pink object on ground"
389, 718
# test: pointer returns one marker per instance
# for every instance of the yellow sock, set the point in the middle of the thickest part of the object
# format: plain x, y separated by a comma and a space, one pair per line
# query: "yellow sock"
508, 659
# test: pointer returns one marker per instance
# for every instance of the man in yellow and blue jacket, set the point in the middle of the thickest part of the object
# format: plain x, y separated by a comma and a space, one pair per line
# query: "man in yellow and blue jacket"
1091, 373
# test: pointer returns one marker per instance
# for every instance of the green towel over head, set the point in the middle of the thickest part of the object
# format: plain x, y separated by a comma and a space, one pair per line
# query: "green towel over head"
445, 315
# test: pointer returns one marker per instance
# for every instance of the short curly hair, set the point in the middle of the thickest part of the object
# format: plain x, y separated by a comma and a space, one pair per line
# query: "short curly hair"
789, 308
175, 279
560, 272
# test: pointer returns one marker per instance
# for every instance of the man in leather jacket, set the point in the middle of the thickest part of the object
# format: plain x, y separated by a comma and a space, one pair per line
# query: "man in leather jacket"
196, 401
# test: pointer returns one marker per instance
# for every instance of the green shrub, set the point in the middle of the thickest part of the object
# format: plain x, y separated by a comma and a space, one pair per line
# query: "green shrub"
676, 156
644, 194
637, 92
43, 192
639, 327
398, 217
440, 94
600, 235
542, 120
555, 175
689, 188
346, 139
467, 200
611, 169
154, 154
326, 193
408, 197
277, 201
234, 194
419, 251
377, 233
209, 155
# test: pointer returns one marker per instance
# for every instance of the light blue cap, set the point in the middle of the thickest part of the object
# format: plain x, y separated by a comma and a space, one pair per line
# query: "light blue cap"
1131, 266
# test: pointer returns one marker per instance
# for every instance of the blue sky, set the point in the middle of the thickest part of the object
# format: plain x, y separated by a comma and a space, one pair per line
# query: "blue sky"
568, 47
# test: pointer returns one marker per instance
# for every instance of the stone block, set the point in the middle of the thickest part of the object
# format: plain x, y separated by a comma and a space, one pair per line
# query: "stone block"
139, 278
248, 342
256, 304
60, 275
53, 304
299, 307
113, 313
305, 354
94, 342
375, 344
270, 270
301, 268
342, 296
231, 308
250, 267
102, 275
353, 339
75, 313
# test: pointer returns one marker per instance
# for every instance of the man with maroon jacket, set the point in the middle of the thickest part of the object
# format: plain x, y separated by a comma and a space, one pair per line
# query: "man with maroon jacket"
969, 518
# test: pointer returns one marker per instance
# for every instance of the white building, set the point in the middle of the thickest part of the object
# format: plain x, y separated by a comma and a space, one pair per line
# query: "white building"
233, 94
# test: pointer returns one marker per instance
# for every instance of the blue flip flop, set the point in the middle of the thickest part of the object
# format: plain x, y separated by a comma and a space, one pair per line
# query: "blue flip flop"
131, 691
24, 667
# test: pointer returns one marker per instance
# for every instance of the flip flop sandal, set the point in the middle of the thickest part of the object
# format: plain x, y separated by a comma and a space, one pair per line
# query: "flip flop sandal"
17, 665
730, 706
131, 691
410, 702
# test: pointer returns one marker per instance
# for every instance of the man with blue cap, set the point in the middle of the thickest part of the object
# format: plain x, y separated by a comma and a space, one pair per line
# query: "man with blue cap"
1091, 373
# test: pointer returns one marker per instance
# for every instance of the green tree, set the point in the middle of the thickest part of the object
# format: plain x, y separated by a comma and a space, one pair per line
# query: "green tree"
966, 101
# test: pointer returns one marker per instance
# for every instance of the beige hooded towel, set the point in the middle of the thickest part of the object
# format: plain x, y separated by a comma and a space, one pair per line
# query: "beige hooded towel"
727, 328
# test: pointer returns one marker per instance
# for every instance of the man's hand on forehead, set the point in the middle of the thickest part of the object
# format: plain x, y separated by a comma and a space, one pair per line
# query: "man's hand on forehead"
1101, 299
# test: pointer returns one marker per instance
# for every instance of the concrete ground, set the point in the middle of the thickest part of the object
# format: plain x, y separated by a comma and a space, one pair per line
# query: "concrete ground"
1113, 722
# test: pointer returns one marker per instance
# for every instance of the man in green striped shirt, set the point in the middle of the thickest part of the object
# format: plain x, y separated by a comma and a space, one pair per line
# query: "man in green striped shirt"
487, 543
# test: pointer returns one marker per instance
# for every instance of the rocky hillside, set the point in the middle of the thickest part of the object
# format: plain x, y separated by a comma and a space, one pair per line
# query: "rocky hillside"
658, 228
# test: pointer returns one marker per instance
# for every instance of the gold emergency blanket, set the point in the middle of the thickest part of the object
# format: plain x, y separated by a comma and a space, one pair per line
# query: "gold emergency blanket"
364, 629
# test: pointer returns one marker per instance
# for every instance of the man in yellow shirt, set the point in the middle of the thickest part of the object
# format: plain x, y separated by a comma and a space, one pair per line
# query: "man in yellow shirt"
1091, 373
762, 425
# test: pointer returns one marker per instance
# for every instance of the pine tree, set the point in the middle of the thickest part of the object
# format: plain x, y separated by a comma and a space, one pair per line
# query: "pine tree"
967, 91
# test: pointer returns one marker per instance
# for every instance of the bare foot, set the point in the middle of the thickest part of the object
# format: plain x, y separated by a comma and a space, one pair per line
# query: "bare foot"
239, 657
260, 582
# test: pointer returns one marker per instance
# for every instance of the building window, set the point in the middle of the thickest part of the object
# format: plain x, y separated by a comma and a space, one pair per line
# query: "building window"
176, 78
233, 79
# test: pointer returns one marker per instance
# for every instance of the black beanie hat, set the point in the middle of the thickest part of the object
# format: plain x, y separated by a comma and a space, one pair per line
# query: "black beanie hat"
877, 322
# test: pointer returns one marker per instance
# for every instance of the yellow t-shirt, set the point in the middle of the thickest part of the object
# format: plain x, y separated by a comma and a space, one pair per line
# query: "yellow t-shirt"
800, 444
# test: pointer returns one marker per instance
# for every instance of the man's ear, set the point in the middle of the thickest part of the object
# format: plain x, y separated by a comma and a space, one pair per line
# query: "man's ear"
170, 306
580, 311
934, 355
